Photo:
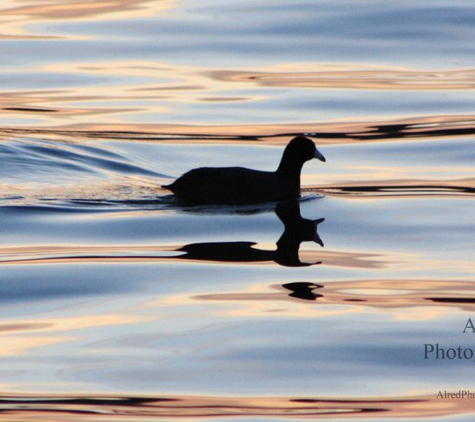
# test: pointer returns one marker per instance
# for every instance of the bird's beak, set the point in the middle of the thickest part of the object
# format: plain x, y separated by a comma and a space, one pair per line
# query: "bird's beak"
318, 155
317, 238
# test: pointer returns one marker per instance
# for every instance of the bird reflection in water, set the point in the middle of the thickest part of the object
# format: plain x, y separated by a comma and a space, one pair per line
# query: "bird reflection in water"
302, 290
296, 231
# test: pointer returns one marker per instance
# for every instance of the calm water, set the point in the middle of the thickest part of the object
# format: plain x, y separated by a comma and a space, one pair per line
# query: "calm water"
117, 302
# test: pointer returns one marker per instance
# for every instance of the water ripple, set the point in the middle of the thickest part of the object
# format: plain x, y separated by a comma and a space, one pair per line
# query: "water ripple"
137, 408
401, 189
333, 77
329, 133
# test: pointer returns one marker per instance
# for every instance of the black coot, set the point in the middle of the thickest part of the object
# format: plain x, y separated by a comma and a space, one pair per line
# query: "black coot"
239, 186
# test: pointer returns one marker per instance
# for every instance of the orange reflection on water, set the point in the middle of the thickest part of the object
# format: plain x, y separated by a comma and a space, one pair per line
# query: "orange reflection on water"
123, 88
391, 294
75, 254
350, 76
379, 186
33, 11
408, 129
432, 298
18, 16
60, 407
16, 345
44, 254
24, 336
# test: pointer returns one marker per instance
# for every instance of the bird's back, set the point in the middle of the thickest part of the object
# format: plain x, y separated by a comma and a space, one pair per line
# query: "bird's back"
226, 185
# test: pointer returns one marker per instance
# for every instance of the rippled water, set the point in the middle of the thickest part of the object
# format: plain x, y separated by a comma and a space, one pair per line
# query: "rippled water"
118, 302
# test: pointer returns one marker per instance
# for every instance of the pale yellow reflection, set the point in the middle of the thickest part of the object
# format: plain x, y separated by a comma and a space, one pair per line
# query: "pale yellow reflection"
425, 313
139, 90
144, 91
254, 302
352, 76
150, 88
16, 345
24, 336
348, 259
420, 299
19, 15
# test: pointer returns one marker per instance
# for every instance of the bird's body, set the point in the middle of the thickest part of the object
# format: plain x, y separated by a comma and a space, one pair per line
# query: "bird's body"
239, 185
232, 186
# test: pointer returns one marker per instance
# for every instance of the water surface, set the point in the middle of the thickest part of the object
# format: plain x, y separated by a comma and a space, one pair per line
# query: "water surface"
119, 302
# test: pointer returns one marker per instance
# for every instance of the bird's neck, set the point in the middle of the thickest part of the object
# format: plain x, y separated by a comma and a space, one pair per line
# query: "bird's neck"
289, 167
